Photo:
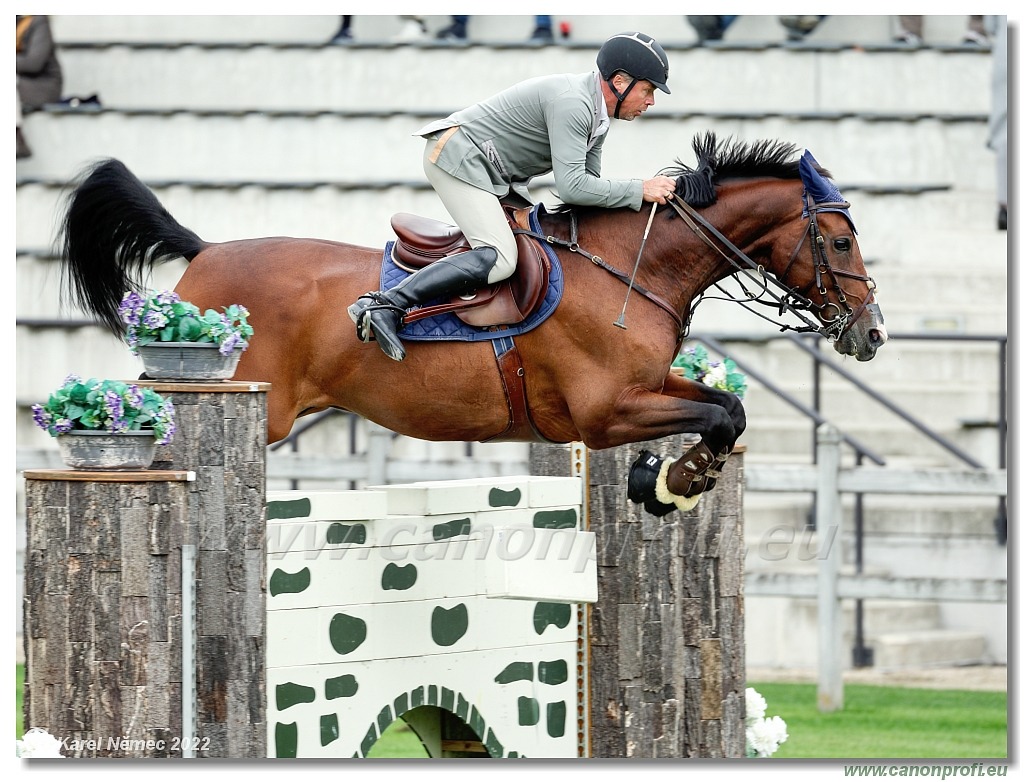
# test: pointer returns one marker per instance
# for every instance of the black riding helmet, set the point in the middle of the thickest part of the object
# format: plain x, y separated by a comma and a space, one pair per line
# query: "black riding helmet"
637, 55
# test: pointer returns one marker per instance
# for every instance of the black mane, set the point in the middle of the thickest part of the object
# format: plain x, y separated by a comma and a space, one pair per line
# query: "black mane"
732, 159
728, 159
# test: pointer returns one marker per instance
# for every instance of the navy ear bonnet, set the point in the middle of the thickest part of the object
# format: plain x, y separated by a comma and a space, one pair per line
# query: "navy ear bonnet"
821, 190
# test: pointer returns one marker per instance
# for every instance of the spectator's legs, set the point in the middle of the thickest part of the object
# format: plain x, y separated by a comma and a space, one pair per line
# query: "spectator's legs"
909, 29
23, 148
456, 31
344, 33
976, 33
413, 29
542, 32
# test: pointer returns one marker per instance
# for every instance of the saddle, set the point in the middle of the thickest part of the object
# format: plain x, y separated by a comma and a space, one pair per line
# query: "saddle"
423, 240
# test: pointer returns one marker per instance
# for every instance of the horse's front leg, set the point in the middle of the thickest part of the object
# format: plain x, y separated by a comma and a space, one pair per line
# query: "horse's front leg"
683, 388
663, 485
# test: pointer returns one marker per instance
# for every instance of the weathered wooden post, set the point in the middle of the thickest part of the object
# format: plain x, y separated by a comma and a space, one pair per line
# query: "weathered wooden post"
666, 657
144, 614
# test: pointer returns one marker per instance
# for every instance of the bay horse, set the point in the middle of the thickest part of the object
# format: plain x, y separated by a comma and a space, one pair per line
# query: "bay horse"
750, 210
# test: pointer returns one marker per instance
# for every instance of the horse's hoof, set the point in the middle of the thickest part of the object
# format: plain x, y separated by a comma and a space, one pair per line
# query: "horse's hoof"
642, 484
659, 508
643, 477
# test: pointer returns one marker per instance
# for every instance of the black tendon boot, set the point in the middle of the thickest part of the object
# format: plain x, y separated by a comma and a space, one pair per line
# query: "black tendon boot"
379, 315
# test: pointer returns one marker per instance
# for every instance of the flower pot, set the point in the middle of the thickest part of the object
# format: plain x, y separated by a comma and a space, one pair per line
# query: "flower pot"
187, 361
85, 449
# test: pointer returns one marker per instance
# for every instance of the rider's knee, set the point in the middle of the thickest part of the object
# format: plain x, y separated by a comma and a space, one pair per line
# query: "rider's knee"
504, 266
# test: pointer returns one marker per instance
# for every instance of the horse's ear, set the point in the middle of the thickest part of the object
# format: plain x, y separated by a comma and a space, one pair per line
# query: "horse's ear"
822, 190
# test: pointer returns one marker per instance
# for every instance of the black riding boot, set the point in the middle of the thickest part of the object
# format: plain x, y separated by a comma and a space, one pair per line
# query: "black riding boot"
380, 314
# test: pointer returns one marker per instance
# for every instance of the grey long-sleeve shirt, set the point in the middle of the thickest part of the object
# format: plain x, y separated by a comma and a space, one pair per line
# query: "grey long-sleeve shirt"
549, 123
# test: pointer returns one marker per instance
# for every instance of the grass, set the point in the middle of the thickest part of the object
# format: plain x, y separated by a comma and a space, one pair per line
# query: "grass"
875, 722
890, 722
19, 671
398, 741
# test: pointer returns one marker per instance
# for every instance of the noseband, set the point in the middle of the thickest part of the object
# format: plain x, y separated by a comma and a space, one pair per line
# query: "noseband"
792, 299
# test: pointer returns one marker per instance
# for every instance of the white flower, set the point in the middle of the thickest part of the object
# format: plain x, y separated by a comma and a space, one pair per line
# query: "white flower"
765, 736
37, 743
715, 376
756, 705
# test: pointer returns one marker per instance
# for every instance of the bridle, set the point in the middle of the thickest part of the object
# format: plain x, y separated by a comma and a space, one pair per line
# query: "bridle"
790, 299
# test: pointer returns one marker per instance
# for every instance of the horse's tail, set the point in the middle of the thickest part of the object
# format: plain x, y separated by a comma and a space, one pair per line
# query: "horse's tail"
112, 230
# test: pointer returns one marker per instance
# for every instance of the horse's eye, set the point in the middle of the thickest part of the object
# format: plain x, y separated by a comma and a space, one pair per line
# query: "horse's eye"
842, 245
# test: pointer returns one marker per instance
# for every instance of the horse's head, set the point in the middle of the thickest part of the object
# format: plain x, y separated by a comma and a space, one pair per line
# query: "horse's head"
825, 269
808, 245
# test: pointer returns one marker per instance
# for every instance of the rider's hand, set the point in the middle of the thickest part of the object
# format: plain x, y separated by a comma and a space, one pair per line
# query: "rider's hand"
657, 189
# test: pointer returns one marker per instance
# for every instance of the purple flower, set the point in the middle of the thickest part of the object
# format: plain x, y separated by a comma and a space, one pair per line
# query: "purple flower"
166, 297
63, 426
131, 308
114, 405
229, 344
41, 417
154, 319
134, 397
164, 424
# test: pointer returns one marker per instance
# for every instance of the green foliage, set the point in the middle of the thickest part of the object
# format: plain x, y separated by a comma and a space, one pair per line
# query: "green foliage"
164, 317
723, 375
105, 405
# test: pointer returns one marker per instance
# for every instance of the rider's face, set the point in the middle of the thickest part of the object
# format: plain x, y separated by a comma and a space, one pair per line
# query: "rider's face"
640, 98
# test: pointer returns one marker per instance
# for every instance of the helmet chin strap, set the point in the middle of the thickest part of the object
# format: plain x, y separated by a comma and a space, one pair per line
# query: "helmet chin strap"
619, 96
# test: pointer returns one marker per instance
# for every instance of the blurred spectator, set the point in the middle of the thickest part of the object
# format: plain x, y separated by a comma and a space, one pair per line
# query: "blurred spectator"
910, 31
344, 34
997, 116
40, 80
543, 31
23, 147
456, 31
413, 29
710, 28
799, 27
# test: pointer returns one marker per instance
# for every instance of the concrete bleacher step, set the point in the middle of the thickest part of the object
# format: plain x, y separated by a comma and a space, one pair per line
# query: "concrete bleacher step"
942, 519
286, 76
927, 647
901, 359
345, 212
369, 147
792, 437
901, 633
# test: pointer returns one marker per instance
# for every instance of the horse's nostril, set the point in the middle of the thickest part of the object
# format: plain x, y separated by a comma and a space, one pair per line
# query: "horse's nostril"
877, 337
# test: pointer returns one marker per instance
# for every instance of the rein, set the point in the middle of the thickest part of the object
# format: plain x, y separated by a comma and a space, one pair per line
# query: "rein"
791, 300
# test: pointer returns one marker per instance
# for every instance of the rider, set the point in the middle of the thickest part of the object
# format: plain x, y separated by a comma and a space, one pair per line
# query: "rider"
475, 156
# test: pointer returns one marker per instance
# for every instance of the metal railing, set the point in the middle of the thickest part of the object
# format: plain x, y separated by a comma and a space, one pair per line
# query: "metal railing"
862, 654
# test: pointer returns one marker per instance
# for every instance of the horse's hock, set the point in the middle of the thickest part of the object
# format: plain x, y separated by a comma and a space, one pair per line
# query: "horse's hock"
321, 617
